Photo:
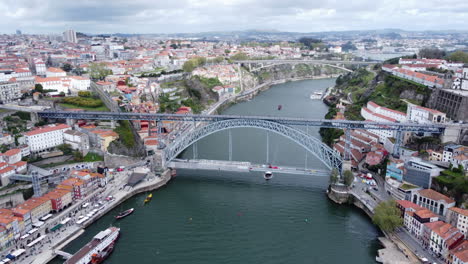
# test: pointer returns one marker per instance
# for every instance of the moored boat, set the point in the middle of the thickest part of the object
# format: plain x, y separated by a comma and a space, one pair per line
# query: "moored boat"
124, 213
98, 249
148, 198
268, 175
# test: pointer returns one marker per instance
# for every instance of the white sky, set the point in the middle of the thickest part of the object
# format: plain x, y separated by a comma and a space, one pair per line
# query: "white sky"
172, 16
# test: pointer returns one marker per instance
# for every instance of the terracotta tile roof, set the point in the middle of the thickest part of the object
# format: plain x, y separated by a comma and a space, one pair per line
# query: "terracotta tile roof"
424, 213
407, 204
461, 251
459, 211
52, 69
436, 196
12, 152
429, 110
7, 169
46, 129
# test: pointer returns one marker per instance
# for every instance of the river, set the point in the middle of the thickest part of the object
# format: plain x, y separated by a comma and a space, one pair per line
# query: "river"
223, 217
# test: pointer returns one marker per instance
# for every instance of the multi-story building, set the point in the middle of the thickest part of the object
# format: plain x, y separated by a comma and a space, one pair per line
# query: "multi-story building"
456, 155
395, 169
458, 217
377, 113
60, 199
55, 72
459, 254
423, 115
37, 206
75, 185
414, 221
77, 140
444, 237
9, 91
432, 200
70, 36
452, 102
45, 138
40, 67
420, 173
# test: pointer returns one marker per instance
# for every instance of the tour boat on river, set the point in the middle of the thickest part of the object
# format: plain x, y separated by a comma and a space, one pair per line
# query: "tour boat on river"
316, 96
98, 249
124, 213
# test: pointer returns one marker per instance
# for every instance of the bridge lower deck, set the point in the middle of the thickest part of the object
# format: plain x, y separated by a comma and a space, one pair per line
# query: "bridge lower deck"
242, 167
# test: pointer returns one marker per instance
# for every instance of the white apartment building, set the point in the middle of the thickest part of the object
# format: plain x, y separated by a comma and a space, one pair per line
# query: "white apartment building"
40, 67
65, 84
458, 218
45, 138
55, 72
70, 36
9, 91
423, 115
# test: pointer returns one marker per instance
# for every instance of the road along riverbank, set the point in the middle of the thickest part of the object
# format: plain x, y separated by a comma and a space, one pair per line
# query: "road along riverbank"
119, 197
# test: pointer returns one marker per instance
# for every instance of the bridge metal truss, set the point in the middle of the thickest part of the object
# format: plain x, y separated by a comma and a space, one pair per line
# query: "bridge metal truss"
328, 156
341, 124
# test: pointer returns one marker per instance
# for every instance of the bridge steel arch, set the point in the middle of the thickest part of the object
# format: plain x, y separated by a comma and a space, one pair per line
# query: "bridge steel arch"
328, 156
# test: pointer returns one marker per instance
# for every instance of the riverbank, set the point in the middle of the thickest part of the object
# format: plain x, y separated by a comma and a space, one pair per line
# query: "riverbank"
119, 197
394, 251
249, 94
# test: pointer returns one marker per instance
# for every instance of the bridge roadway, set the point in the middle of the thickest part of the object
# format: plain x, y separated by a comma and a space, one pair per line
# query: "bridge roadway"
288, 121
310, 61
241, 166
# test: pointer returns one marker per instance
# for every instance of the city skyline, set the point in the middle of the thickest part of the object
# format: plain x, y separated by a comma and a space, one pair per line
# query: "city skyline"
193, 16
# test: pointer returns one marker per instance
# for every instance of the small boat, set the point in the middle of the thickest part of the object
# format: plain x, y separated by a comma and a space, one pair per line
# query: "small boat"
279, 107
268, 175
148, 198
124, 213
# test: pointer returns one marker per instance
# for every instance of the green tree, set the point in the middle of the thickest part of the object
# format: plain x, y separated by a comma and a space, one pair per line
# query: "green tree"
188, 66
348, 178
334, 176
240, 56
67, 67
98, 71
77, 156
226, 51
431, 53
38, 88
65, 148
458, 56
387, 216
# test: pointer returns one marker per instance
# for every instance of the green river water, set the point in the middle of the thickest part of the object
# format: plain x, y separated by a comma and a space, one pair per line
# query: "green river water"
227, 217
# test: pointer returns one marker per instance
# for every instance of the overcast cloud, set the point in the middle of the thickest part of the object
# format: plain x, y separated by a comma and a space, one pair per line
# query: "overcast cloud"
170, 16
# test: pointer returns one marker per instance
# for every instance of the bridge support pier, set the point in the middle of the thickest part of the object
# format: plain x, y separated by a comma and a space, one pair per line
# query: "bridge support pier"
396, 146
347, 149
70, 122
195, 150
267, 147
230, 145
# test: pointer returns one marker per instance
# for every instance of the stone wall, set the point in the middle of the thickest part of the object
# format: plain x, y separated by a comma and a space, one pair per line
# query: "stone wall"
113, 161
11, 200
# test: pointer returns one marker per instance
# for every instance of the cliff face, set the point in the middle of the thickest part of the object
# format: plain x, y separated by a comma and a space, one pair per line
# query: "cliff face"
196, 88
291, 71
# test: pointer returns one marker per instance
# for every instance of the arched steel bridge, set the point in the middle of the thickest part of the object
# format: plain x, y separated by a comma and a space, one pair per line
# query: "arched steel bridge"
280, 125
328, 156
